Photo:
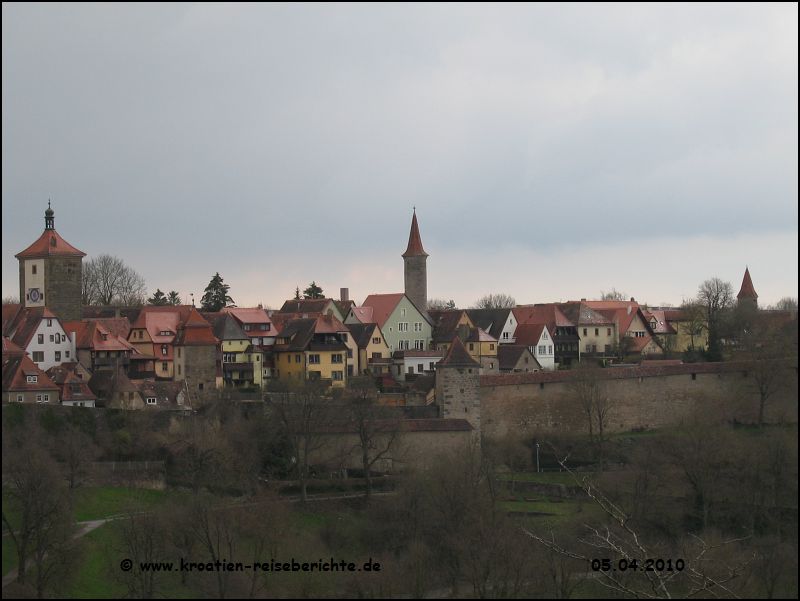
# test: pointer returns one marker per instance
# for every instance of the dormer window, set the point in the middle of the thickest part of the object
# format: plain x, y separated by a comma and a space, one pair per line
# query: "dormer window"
151, 400
32, 379
263, 326
247, 327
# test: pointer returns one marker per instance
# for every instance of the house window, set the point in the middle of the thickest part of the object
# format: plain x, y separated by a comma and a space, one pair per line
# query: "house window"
38, 356
419, 345
179, 352
20, 398
313, 359
337, 358
32, 379
608, 331
542, 349
58, 355
491, 347
420, 367
263, 326
411, 369
52, 338
402, 326
38, 398
430, 366
597, 331
151, 400
550, 350
349, 353
471, 346
33, 269
200, 386
585, 332
297, 359
49, 323
164, 350
417, 326
228, 357
179, 369
46, 398
164, 366
402, 312
505, 335
40, 339
544, 334
376, 340
338, 375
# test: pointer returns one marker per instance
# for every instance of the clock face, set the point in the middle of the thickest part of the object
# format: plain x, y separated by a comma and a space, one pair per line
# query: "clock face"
34, 295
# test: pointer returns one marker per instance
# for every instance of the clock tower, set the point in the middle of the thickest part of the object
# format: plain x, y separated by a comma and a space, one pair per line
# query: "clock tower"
50, 272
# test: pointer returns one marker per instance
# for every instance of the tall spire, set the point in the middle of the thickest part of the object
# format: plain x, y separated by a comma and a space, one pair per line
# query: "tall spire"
414, 240
747, 290
49, 221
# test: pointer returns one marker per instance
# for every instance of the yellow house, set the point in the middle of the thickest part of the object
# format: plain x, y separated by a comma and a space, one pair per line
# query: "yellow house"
242, 362
373, 355
447, 324
312, 349
482, 347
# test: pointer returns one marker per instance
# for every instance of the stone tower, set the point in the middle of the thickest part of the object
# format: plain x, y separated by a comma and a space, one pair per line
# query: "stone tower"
458, 386
747, 294
416, 270
50, 273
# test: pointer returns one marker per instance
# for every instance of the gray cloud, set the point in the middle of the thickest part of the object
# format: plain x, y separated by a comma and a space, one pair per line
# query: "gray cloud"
238, 138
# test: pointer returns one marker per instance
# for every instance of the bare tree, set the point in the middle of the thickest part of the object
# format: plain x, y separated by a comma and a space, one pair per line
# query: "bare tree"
716, 297
589, 391
495, 301
703, 570
613, 295
304, 416
107, 280
440, 304
693, 322
33, 485
787, 303
75, 450
10, 300
377, 438
142, 540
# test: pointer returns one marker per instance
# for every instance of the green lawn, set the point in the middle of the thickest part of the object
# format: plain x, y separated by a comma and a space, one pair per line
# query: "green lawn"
540, 477
95, 503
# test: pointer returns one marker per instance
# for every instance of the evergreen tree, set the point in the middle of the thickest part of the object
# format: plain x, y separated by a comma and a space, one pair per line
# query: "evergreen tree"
216, 295
313, 291
297, 293
158, 298
173, 298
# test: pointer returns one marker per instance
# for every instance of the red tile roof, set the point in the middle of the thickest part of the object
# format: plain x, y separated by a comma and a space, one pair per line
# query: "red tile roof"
196, 331
382, 306
16, 368
22, 329
93, 335
747, 290
529, 334
9, 348
457, 356
363, 314
414, 241
48, 244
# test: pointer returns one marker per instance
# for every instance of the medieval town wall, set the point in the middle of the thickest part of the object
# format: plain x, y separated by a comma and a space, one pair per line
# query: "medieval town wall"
644, 397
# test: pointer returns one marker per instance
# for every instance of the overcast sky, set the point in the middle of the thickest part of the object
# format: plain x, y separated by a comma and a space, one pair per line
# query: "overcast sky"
552, 151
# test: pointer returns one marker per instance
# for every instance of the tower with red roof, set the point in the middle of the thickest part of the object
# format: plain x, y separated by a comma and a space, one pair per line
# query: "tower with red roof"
747, 294
50, 272
416, 271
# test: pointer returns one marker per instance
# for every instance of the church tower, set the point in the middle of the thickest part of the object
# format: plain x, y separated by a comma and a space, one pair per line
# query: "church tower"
50, 273
747, 294
416, 270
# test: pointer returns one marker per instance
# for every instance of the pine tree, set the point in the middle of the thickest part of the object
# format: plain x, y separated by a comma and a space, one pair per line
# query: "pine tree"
158, 298
173, 298
313, 291
216, 295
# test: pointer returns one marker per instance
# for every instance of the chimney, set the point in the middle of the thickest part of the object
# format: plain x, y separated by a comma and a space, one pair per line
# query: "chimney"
583, 300
629, 309
633, 300
344, 294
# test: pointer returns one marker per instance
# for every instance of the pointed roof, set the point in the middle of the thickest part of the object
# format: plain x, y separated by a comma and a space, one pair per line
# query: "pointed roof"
414, 240
50, 242
747, 290
382, 306
457, 356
